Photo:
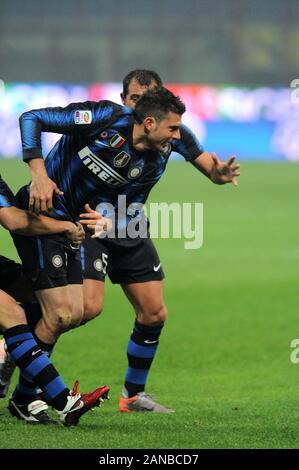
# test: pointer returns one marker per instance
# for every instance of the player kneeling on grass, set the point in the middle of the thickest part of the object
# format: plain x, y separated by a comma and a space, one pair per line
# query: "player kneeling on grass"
35, 366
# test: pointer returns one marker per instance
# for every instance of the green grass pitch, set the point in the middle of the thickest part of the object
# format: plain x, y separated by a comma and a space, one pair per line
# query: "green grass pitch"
224, 358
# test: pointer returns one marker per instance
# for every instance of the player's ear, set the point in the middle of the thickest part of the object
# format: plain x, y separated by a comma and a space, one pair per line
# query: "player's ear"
149, 123
122, 97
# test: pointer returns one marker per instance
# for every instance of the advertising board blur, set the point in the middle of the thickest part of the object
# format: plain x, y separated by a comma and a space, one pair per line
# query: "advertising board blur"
253, 123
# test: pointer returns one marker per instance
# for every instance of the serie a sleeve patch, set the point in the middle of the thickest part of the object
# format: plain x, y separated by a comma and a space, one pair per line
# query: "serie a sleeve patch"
83, 117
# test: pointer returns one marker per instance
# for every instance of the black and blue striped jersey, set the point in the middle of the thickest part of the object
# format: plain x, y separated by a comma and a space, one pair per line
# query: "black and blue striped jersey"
6, 195
95, 160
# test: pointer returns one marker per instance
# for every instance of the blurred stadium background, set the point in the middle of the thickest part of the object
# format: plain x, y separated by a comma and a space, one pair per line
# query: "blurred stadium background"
224, 362
239, 56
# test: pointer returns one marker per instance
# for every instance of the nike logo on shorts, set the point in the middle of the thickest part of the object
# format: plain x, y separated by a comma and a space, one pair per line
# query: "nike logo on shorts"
156, 268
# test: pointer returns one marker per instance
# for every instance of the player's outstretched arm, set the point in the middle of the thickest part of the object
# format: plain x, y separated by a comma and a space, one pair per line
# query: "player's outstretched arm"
219, 172
25, 223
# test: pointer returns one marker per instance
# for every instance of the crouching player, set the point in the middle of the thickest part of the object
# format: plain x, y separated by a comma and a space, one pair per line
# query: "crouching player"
35, 366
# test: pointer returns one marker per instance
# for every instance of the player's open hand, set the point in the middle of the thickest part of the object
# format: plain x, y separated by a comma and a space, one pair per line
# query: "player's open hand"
224, 172
42, 189
96, 223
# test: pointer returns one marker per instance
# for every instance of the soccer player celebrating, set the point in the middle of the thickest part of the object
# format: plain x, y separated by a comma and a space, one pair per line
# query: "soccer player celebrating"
133, 263
106, 151
24, 350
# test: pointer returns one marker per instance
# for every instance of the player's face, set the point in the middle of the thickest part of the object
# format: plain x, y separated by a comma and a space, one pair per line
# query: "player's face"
135, 91
160, 134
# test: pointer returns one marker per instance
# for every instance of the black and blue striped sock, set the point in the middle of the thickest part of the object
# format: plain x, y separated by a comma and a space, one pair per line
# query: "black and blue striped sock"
35, 365
26, 389
141, 351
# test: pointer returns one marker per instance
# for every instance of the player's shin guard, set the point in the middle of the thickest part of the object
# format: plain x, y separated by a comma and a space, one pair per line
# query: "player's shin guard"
26, 389
141, 351
35, 365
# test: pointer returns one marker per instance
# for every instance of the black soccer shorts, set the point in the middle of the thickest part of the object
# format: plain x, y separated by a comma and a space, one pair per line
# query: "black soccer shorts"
124, 263
9, 272
49, 261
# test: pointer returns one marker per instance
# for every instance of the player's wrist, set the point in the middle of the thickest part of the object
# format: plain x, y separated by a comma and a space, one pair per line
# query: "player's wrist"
38, 169
70, 229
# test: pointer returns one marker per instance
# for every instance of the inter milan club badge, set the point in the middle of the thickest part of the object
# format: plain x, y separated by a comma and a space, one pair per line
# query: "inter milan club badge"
117, 141
121, 159
134, 172
57, 261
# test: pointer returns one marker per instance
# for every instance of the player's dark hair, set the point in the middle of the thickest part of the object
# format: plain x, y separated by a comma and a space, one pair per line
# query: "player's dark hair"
158, 103
143, 77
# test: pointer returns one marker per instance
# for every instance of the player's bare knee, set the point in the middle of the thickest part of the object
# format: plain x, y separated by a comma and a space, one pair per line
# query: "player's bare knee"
160, 316
64, 320
153, 316
77, 316
92, 309
59, 321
